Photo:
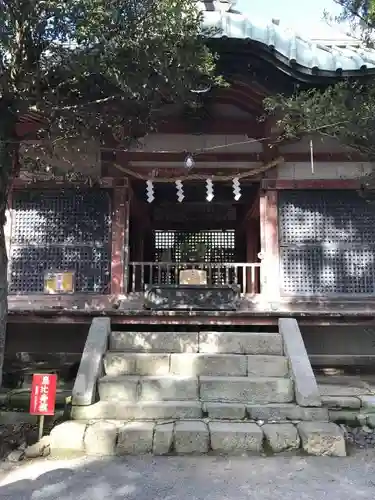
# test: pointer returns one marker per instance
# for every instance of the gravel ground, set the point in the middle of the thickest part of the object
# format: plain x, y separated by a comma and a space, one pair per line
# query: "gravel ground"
13, 435
197, 478
360, 437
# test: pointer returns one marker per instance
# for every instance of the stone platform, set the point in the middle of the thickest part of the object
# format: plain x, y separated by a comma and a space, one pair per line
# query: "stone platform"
196, 437
196, 391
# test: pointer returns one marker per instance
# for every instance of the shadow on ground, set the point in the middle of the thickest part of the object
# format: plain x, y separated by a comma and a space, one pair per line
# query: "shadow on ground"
198, 478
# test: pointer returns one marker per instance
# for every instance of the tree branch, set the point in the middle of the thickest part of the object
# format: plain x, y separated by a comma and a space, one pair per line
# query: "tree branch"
84, 104
354, 13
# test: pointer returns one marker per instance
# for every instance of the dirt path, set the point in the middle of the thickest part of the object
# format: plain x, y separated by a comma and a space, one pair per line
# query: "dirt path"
197, 478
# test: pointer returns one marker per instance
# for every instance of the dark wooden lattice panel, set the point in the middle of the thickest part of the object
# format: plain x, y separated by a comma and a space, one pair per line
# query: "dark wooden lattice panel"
220, 248
63, 230
326, 217
315, 270
327, 242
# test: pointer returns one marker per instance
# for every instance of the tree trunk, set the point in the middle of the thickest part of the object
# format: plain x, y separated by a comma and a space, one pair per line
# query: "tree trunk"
8, 149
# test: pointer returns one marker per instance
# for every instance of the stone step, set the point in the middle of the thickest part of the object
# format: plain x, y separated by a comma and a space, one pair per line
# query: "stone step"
160, 342
106, 438
159, 410
146, 410
241, 343
192, 342
153, 388
179, 410
194, 364
250, 390
134, 363
276, 412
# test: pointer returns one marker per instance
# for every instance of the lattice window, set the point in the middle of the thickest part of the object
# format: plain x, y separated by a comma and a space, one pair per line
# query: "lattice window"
327, 242
219, 248
63, 230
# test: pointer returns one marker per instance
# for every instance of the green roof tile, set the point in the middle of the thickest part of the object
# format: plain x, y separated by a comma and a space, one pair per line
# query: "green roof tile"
303, 55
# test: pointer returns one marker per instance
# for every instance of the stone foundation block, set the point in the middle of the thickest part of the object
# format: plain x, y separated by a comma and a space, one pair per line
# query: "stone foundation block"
208, 364
240, 343
68, 436
348, 417
370, 420
281, 437
225, 411
118, 388
322, 438
146, 410
339, 390
246, 389
170, 388
116, 363
163, 439
191, 437
368, 403
163, 342
99, 410
100, 438
135, 438
333, 402
267, 366
40, 449
235, 437
167, 410
287, 411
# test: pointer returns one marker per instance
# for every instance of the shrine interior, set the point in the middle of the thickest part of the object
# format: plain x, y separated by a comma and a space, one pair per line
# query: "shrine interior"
216, 236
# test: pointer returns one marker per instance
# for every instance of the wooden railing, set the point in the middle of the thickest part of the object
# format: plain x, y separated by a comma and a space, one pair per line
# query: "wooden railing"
245, 275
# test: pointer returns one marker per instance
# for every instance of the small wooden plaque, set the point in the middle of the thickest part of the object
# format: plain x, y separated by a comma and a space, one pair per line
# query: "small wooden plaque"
59, 282
193, 277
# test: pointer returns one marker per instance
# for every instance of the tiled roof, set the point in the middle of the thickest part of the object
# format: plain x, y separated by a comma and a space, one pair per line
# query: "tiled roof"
302, 55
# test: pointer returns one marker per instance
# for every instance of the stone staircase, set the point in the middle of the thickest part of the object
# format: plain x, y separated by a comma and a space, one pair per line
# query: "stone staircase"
199, 391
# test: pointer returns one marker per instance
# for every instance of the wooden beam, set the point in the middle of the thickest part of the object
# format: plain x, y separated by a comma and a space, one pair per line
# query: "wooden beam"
252, 104
250, 127
311, 184
327, 157
220, 126
173, 172
80, 308
120, 239
20, 183
124, 157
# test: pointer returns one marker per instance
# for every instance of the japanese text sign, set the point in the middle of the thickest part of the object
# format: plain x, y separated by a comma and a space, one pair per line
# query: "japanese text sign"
43, 394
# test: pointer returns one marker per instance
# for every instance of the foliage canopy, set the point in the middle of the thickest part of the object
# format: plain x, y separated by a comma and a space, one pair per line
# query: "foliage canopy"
344, 110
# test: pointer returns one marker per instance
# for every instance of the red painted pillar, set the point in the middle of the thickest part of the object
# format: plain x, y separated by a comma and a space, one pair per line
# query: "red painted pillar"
252, 278
120, 239
270, 269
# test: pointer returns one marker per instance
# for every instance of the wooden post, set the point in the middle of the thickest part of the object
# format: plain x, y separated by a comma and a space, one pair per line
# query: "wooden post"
120, 239
251, 232
270, 270
8, 231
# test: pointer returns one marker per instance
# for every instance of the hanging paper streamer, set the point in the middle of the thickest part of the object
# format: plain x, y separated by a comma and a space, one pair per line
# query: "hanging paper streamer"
236, 189
209, 190
180, 191
150, 191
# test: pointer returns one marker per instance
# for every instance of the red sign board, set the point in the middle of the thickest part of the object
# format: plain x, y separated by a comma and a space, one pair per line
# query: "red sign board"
43, 394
